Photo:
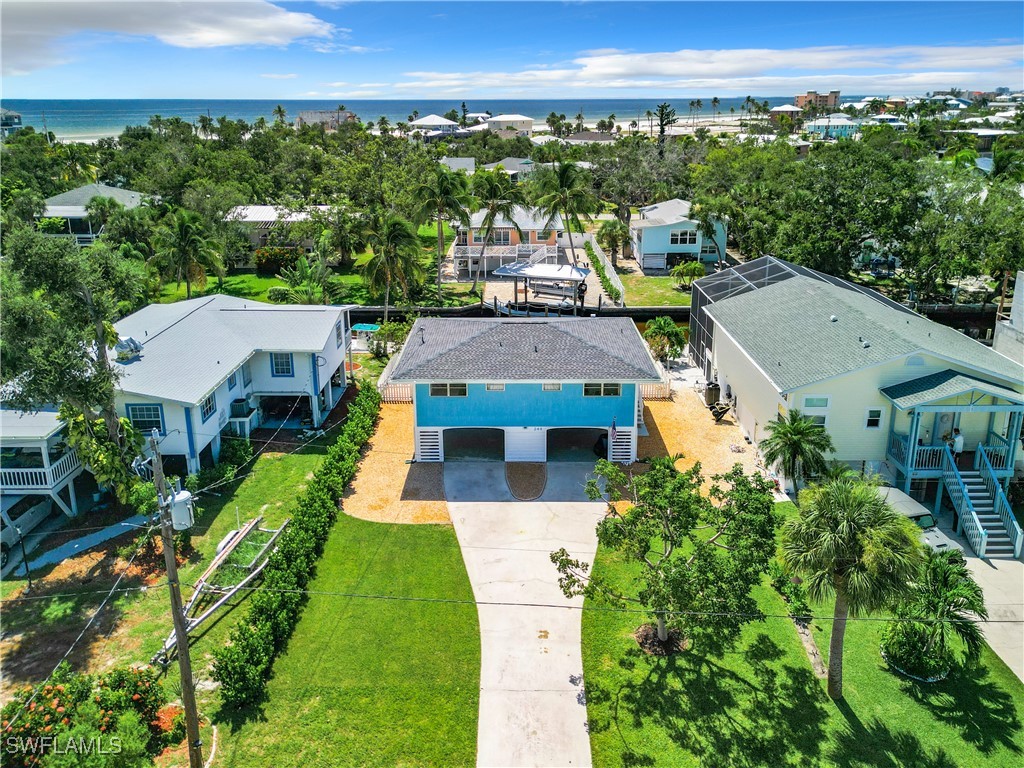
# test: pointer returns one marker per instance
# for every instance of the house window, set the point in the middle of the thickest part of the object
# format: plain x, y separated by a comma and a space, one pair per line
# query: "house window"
816, 401
708, 249
146, 418
495, 387
339, 333
246, 374
281, 364
498, 236
683, 237
602, 390
232, 381
448, 390
821, 421
209, 406
874, 419
551, 387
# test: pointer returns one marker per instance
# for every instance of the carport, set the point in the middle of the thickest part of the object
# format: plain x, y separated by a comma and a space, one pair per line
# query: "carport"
474, 444
577, 444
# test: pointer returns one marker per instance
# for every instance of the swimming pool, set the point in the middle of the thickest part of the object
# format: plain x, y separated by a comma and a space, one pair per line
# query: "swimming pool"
365, 328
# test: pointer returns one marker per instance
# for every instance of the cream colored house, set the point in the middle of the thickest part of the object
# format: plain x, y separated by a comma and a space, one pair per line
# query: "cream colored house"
888, 385
521, 124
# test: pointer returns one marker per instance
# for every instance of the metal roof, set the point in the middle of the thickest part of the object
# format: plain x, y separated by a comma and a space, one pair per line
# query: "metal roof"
82, 195
190, 347
943, 385
530, 271
510, 118
271, 214
526, 218
428, 120
526, 349
22, 425
467, 164
674, 211
787, 328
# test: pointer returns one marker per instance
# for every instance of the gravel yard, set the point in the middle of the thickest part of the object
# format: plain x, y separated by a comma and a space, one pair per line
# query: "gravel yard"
387, 489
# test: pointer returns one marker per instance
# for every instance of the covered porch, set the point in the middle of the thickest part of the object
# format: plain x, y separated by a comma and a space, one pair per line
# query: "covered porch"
926, 411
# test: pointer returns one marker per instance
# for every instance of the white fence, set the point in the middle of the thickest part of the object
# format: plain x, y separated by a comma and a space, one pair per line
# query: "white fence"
613, 276
391, 392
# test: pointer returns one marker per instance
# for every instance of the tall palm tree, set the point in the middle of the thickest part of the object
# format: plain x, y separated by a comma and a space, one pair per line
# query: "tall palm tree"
566, 191
944, 603
798, 444
395, 257
613, 235
499, 198
279, 114
850, 544
101, 209
715, 104
182, 248
650, 122
445, 197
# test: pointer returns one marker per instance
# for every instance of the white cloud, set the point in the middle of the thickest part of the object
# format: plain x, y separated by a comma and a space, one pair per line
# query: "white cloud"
272, 76
890, 69
33, 30
338, 84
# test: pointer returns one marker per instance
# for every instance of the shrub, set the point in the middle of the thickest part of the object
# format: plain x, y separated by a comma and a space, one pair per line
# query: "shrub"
905, 648
271, 259
613, 293
243, 666
236, 451
278, 293
793, 592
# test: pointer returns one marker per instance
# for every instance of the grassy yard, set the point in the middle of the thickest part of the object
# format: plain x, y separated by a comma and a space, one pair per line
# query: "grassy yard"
370, 681
645, 291
759, 704
243, 285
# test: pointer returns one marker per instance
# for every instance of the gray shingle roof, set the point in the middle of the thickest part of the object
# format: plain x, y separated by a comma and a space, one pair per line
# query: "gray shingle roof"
941, 385
786, 328
82, 195
555, 349
527, 219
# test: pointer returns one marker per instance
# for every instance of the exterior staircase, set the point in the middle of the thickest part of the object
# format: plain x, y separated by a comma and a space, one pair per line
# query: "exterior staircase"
1000, 545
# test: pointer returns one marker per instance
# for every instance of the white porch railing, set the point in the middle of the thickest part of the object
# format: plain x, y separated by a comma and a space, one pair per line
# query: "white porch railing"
40, 478
391, 392
505, 254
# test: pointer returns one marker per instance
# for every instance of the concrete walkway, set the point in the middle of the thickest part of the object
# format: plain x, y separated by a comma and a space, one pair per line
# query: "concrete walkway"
532, 707
85, 543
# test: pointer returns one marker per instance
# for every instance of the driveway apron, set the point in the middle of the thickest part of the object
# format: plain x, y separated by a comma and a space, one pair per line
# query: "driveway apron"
532, 707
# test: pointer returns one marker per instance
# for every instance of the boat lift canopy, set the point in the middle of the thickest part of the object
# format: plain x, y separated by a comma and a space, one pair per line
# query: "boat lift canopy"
547, 272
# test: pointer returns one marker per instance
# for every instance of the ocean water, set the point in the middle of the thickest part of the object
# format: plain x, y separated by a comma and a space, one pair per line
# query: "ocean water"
96, 118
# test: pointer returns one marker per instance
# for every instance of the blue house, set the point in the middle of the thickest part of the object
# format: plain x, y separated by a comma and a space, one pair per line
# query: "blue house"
526, 389
666, 234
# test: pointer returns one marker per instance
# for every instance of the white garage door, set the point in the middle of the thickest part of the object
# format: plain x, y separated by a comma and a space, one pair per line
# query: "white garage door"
654, 261
526, 444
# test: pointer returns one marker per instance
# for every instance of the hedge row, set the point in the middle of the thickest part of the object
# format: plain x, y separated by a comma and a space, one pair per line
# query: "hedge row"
613, 293
243, 666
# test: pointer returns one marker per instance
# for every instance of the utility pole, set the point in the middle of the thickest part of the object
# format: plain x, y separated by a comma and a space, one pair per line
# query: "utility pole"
188, 691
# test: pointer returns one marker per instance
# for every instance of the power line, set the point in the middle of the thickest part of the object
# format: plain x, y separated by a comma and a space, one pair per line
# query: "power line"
123, 590
603, 608
81, 634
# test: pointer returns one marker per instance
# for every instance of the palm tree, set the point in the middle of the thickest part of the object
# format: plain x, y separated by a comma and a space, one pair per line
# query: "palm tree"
101, 209
183, 248
612, 235
850, 544
715, 104
445, 197
688, 271
279, 114
499, 198
798, 444
205, 124
650, 122
309, 281
944, 603
395, 257
565, 191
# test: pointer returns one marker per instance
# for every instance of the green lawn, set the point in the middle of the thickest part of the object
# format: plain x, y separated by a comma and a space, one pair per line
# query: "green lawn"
645, 291
243, 285
374, 682
759, 704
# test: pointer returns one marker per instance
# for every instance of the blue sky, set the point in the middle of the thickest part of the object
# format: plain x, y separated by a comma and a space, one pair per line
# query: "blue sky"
256, 49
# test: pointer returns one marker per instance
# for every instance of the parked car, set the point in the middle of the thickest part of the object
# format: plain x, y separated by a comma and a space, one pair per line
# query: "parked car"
18, 516
922, 517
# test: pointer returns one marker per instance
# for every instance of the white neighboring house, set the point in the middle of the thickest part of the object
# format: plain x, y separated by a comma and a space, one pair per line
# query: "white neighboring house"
889, 385
431, 124
665, 234
521, 124
259, 220
199, 369
71, 207
36, 459
1009, 332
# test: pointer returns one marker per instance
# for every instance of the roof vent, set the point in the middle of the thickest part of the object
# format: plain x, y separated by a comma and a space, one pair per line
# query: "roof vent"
127, 349
834, 319
865, 344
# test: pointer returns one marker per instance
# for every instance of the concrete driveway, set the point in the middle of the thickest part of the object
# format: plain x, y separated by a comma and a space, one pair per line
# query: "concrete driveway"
532, 707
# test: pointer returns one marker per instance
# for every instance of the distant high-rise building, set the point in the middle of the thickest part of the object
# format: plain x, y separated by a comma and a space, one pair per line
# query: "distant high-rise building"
829, 100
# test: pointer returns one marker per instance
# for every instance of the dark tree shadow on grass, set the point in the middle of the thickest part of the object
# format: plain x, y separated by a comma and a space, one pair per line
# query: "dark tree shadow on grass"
972, 704
773, 716
880, 746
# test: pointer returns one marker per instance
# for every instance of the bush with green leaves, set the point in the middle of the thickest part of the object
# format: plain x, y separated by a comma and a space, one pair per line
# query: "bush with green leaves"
793, 592
278, 293
243, 666
123, 703
271, 259
235, 450
613, 293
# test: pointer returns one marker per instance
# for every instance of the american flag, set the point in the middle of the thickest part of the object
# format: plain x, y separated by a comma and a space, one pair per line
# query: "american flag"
612, 432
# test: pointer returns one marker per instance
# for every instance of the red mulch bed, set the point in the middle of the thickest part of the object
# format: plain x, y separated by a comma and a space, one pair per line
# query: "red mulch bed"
646, 637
